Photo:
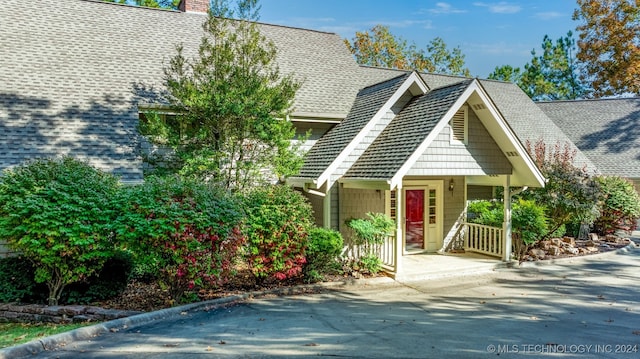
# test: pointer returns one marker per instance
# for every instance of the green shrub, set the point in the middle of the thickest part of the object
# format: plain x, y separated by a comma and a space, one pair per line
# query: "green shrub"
371, 232
528, 220
323, 253
187, 230
57, 214
16, 280
277, 224
621, 207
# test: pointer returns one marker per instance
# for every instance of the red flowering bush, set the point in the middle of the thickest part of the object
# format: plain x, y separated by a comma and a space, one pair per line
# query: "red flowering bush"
277, 223
188, 231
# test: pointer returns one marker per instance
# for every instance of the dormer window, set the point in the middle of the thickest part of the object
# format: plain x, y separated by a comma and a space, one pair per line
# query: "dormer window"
460, 127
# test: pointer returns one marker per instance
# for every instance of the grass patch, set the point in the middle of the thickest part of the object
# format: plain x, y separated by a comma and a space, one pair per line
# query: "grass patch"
18, 333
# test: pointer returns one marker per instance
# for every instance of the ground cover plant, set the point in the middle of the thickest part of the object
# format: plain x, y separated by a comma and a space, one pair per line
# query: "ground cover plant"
18, 333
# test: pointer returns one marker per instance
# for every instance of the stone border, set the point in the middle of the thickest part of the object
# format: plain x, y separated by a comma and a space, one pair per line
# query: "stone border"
631, 246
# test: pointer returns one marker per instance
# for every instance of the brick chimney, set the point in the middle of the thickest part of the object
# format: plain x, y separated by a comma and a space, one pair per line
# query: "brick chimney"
197, 6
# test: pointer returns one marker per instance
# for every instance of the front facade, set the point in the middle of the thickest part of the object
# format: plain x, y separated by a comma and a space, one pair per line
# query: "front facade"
77, 74
411, 152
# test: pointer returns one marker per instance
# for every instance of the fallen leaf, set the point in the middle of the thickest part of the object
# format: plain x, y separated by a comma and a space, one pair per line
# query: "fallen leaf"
209, 348
636, 332
262, 319
482, 302
311, 345
222, 342
172, 345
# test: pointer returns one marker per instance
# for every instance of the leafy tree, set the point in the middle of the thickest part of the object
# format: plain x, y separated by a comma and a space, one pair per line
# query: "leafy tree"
379, 47
160, 4
609, 45
57, 214
232, 103
570, 194
506, 73
553, 75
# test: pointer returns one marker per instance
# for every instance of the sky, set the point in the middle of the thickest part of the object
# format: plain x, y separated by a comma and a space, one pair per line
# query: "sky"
489, 33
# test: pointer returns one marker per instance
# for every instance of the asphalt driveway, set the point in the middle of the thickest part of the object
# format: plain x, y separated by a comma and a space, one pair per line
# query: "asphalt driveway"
577, 308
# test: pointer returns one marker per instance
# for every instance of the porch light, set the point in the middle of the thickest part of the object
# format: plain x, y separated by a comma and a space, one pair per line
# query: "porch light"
451, 185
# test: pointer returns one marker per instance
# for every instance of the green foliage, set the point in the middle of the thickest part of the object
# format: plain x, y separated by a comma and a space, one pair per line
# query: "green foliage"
506, 73
554, 74
277, 225
58, 213
16, 279
379, 47
323, 253
528, 219
621, 207
570, 194
371, 232
231, 103
160, 4
188, 230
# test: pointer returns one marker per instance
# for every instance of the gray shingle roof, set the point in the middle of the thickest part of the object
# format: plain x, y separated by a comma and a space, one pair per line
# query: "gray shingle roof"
405, 133
368, 101
72, 73
525, 118
606, 130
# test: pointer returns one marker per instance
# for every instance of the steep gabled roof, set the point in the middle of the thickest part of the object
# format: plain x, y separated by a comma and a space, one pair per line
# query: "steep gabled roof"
367, 103
606, 130
405, 133
73, 73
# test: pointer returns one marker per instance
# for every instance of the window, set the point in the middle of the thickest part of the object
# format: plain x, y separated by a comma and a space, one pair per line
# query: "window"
459, 127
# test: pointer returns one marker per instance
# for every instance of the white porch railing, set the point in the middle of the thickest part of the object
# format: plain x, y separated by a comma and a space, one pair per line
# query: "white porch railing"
483, 239
385, 251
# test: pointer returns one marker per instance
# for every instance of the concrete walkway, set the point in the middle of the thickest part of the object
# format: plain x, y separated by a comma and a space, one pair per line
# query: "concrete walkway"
417, 267
587, 307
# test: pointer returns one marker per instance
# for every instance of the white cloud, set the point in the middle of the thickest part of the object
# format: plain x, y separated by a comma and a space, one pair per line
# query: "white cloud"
500, 7
548, 15
445, 8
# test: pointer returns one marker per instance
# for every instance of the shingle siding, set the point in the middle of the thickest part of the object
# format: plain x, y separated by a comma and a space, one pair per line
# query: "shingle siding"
480, 156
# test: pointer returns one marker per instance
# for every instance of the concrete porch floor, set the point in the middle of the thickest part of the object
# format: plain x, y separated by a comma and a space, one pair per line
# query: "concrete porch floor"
415, 267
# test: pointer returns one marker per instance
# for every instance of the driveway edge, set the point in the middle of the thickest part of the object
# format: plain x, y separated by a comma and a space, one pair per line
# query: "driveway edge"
85, 333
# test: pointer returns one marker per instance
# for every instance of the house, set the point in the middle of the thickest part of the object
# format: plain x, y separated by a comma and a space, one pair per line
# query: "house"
76, 75
607, 131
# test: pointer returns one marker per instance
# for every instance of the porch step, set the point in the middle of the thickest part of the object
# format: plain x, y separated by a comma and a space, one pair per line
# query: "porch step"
420, 268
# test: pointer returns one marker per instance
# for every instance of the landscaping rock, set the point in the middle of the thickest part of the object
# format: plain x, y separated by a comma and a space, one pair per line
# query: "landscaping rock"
537, 253
554, 250
592, 249
556, 242
572, 250
594, 237
569, 240
591, 243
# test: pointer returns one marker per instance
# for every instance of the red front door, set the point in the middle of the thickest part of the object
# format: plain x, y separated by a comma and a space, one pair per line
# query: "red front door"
414, 226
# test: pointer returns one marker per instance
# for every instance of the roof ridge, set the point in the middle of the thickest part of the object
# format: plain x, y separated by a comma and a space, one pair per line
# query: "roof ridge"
385, 81
590, 100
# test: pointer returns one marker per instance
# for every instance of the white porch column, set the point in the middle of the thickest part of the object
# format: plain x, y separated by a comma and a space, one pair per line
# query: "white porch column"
506, 225
326, 209
397, 253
